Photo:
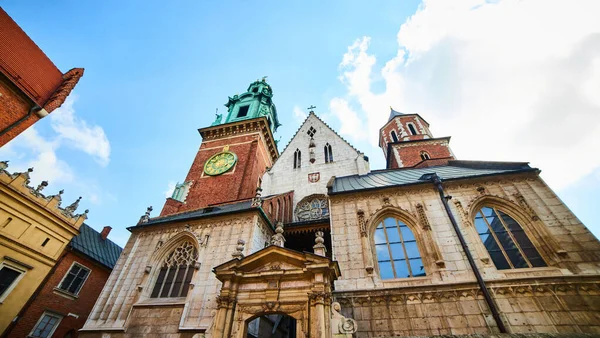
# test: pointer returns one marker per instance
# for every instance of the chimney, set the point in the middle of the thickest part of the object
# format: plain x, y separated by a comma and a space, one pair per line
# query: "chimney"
105, 232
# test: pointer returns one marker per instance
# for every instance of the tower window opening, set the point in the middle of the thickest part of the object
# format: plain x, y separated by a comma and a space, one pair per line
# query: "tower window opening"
412, 129
243, 111
394, 136
297, 159
328, 153
255, 90
425, 156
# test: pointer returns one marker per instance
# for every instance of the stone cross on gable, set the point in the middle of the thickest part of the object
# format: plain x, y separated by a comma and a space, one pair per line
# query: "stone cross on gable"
310, 109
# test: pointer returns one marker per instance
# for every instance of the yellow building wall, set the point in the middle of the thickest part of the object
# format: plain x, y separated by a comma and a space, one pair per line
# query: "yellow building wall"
34, 232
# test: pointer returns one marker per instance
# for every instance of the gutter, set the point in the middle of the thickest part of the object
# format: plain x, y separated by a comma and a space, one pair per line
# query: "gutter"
437, 182
40, 112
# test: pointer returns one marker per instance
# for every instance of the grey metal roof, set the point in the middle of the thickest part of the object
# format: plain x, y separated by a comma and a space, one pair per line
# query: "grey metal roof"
90, 243
200, 213
408, 176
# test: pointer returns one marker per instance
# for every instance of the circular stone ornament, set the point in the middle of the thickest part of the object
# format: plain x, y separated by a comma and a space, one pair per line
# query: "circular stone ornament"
220, 163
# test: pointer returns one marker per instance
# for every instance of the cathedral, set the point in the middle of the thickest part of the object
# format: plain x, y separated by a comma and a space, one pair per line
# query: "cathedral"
311, 242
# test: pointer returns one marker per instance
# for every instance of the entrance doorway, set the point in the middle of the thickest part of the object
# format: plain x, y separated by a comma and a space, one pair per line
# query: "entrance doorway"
271, 326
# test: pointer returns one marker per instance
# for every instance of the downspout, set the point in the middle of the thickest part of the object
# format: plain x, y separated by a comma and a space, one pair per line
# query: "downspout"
435, 179
33, 109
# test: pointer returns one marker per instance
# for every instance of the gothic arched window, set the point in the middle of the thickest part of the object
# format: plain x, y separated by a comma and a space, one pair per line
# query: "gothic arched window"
394, 136
425, 155
397, 252
176, 272
328, 153
297, 159
412, 129
506, 242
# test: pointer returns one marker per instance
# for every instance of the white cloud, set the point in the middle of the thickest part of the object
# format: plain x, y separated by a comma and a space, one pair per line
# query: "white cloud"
76, 132
170, 188
299, 115
509, 80
352, 125
31, 149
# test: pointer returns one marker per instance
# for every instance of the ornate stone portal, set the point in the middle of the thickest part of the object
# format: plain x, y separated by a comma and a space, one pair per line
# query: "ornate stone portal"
276, 280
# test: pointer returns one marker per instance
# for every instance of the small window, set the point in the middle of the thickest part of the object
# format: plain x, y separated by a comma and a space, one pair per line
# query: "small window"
328, 153
412, 129
11, 273
243, 111
297, 159
506, 242
255, 90
394, 136
176, 272
311, 131
46, 325
74, 279
8, 278
425, 155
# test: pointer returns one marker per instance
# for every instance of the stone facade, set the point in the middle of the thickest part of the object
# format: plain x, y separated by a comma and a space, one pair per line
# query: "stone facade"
245, 269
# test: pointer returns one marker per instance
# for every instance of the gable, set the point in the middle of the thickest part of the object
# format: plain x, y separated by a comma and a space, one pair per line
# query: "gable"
311, 178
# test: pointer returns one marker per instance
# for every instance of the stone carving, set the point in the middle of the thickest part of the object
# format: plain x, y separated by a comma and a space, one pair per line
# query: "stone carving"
319, 248
239, 250
72, 207
422, 217
362, 223
40, 187
146, 217
340, 325
523, 203
218, 118
278, 239
312, 207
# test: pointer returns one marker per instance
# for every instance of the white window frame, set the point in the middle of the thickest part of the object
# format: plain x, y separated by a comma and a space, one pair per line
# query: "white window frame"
50, 313
66, 274
12, 265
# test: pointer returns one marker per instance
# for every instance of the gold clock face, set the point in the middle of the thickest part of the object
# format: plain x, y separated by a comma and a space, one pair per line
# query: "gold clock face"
220, 163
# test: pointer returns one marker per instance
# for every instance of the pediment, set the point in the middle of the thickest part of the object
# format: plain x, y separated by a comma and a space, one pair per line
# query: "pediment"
272, 259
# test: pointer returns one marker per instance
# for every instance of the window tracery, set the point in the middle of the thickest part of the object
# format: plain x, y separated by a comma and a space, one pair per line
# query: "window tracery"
312, 207
506, 242
176, 272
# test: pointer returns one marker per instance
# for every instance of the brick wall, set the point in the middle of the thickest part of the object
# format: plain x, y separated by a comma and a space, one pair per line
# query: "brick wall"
13, 106
49, 300
239, 182
410, 153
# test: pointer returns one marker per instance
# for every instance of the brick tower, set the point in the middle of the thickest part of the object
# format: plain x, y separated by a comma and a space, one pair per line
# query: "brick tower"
407, 142
233, 155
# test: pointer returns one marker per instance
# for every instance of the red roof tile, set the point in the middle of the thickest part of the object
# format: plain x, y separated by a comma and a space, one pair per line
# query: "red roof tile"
23, 62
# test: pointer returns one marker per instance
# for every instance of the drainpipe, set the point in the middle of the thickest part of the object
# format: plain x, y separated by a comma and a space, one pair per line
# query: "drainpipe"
435, 179
33, 109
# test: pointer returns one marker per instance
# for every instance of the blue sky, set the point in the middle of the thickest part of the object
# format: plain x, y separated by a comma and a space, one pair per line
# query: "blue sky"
155, 72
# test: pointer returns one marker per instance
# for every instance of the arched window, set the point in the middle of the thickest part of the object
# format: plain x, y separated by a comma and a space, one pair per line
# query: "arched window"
412, 129
397, 252
328, 153
312, 207
297, 159
425, 155
176, 272
506, 242
394, 136
278, 210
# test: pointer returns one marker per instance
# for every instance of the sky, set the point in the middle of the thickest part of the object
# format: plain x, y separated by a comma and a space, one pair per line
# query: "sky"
509, 80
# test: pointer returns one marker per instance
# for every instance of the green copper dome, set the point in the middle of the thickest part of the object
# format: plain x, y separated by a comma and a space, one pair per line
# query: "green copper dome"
257, 101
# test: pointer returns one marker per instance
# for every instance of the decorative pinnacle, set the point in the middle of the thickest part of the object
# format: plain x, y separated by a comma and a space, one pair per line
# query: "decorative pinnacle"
71, 208
145, 217
239, 250
3, 165
30, 169
41, 187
